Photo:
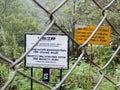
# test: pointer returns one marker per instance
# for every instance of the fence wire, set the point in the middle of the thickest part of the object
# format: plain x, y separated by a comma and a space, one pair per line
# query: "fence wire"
14, 65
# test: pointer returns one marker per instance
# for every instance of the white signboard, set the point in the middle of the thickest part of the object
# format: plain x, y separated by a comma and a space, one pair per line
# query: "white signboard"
50, 52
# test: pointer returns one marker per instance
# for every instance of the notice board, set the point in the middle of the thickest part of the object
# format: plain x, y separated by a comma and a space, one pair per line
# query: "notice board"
102, 36
50, 52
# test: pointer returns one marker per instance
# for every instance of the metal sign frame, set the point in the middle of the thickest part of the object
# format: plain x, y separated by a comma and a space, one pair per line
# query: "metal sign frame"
102, 36
61, 40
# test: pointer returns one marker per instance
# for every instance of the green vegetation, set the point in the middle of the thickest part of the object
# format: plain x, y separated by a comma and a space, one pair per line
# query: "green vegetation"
20, 16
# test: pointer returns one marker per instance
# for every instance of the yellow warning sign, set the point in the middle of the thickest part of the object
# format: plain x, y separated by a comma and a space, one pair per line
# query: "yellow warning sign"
102, 36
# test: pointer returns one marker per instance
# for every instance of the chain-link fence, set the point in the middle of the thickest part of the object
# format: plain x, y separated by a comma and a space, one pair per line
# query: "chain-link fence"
14, 65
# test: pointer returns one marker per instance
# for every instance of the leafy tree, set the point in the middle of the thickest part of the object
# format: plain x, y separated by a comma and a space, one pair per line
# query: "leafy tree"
14, 23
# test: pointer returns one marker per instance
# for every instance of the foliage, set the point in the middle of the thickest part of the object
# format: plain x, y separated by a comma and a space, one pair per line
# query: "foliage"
102, 54
79, 78
13, 25
106, 86
16, 19
3, 74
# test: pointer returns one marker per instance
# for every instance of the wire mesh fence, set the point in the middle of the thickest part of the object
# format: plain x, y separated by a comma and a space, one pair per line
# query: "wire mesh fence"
52, 18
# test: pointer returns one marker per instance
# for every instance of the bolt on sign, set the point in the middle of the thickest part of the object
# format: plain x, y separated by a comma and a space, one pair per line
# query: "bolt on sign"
102, 36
